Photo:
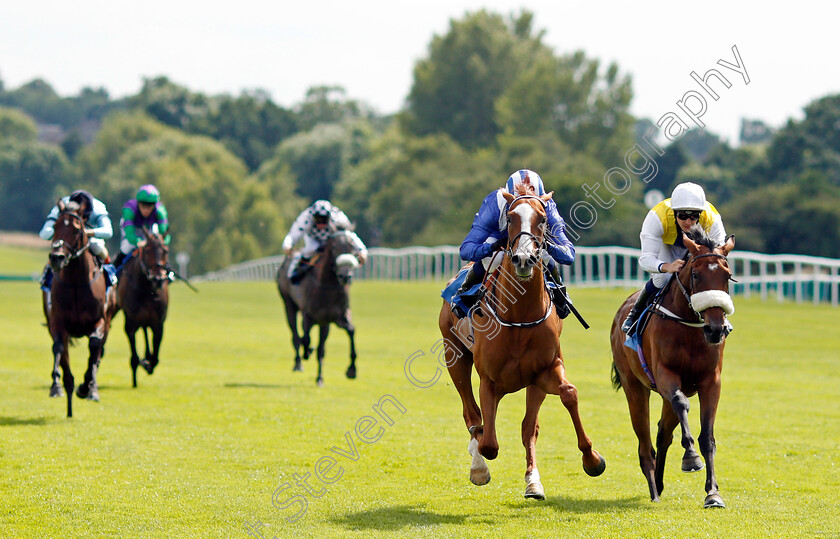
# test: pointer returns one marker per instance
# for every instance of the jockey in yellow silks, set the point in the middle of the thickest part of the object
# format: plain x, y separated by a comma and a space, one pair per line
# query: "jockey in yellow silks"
662, 239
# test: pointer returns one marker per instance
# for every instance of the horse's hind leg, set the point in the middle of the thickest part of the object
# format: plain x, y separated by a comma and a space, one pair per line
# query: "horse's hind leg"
638, 402
553, 381
530, 430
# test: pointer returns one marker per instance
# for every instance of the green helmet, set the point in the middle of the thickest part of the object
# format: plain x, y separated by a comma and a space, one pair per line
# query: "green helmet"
148, 193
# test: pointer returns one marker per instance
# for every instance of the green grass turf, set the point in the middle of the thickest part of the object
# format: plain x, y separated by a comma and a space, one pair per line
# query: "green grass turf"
198, 449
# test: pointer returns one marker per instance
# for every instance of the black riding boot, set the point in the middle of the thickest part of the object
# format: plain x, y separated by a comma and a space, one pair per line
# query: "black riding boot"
558, 295
638, 307
119, 260
299, 271
472, 279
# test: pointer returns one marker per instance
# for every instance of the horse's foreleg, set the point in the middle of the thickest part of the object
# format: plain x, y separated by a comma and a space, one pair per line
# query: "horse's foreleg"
130, 330
488, 445
96, 340
306, 324
664, 436
291, 320
709, 398
323, 332
58, 348
554, 381
530, 430
157, 338
691, 461
348, 326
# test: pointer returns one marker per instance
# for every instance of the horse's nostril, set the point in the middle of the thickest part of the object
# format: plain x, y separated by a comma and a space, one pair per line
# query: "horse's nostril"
516, 259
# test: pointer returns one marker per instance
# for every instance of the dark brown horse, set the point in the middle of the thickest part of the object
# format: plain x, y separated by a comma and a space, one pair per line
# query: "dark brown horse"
81, 305
323, 298
683, 352
513, 342
143, 295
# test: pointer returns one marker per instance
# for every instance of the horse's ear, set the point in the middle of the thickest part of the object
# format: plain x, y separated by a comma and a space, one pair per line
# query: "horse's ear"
729, 245
546, 197
692, 247
507, 196
61, 205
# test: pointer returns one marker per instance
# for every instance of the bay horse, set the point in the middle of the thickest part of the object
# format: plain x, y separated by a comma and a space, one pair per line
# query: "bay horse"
322, 298
683, 352
514, 343
81, 305
143, 295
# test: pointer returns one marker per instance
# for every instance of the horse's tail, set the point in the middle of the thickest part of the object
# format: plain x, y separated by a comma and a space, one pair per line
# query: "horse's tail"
616, 379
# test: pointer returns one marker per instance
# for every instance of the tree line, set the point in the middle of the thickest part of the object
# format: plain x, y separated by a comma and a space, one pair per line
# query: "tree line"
489, 97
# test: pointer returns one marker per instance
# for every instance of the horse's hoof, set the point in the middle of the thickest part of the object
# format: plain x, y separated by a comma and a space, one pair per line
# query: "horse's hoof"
713, 500
56, 391
88, 391
480, 477
297, 367
535, 491
319, 382
351, 372
147, 366
597, 470
692, 464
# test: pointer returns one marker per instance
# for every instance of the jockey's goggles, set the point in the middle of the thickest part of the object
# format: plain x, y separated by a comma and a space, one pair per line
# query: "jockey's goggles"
688, 214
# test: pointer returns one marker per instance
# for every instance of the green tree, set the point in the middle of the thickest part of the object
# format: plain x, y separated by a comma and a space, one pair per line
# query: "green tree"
589, 110
328, 105
456, 87
249, 125
171, 104
15, 124
33, 175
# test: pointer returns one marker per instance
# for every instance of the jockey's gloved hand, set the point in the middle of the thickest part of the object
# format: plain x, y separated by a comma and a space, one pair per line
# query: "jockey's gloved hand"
498, 245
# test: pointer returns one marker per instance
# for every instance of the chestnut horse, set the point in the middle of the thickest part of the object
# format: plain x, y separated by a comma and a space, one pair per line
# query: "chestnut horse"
683, 352
81, 303
322, 297
513, 344
143, 295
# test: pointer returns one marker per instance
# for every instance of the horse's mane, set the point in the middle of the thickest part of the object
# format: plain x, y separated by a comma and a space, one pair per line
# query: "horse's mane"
699, 236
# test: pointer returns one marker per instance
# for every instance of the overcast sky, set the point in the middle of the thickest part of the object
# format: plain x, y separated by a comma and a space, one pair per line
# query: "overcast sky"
370, 47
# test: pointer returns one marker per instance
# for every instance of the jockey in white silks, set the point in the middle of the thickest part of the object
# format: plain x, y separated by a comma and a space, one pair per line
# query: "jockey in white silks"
96, 220
315, 225
662, 232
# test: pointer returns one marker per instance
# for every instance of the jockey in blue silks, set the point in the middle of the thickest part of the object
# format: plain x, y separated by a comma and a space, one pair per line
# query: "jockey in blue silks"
489, 234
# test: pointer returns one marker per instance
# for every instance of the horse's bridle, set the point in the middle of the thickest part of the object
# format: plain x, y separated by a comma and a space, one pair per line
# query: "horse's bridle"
690, 292
73, 252
147, 271
538, 242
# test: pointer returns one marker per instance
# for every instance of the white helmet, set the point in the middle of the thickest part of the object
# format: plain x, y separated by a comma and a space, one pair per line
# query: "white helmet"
688, 196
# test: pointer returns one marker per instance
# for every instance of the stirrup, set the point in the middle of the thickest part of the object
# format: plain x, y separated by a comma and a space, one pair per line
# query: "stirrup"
629, 322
